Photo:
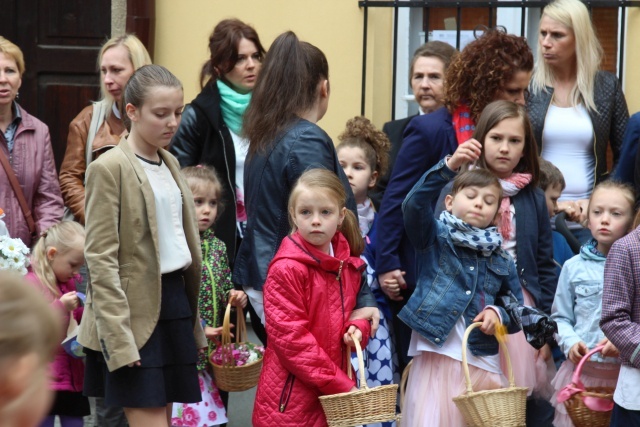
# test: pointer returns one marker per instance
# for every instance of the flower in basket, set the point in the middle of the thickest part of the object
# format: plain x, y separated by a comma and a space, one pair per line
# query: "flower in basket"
14, 255
237, 354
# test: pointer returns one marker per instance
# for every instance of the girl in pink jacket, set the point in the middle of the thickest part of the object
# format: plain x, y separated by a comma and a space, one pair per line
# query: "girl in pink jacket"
56, 259
310, 291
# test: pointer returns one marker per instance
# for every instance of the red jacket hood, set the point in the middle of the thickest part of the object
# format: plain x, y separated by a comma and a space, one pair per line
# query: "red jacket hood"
296, 248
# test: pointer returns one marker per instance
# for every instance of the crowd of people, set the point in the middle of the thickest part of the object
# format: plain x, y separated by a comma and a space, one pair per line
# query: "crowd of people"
398, 238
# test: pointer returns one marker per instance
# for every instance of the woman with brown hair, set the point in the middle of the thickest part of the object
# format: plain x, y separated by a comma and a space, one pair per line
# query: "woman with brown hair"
291, 96
211, 131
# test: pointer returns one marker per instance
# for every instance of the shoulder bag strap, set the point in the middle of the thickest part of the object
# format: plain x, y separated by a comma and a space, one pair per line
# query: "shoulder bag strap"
97, 118
24, 207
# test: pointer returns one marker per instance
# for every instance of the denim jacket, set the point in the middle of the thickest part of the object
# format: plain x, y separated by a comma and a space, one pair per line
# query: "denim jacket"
452, 281
578, 303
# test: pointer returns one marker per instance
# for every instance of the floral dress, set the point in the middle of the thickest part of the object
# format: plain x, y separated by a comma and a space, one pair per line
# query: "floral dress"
214, 292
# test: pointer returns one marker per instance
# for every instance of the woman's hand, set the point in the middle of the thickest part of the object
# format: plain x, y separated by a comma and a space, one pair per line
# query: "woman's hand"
489, 319
70, 301
467, 152
576, 210
578, 350
352, 333
609, 349
391, 283
238, 298
368, 313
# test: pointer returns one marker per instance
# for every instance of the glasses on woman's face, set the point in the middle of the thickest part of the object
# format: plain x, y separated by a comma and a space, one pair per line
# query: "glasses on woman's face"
244, 59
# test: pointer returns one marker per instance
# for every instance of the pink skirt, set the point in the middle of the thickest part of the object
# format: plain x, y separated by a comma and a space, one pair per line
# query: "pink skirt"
529, 368
593, 374
434, 380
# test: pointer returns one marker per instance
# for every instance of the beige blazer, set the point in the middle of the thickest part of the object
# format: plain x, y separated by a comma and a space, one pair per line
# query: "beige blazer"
123, 298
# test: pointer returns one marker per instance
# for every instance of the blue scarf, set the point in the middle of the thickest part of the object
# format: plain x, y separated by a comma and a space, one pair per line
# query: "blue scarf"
233, 105
590, 251
485, 240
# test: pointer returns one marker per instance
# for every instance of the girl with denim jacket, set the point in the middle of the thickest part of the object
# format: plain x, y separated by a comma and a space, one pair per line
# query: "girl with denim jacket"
461, 269
578, 303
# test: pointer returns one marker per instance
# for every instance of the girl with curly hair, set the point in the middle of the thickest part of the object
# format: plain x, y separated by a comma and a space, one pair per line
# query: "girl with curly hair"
495, 66
363, 153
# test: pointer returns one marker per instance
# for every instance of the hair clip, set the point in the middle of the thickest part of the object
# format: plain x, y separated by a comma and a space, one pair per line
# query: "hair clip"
44, 233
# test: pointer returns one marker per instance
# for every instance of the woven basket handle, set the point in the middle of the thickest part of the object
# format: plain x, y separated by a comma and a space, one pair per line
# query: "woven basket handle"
363, 378
241, 333
575, 379
465, 365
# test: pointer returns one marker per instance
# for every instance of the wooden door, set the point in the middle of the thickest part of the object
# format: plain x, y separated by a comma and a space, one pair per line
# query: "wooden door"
60, 40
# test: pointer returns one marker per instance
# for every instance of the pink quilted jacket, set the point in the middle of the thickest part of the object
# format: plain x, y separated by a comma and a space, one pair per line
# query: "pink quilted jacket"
35, 169
67, 372
308, 297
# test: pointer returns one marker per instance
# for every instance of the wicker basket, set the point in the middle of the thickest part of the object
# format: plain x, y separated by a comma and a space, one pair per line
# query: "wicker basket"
581, 415
491, 408
229, 377
364, 406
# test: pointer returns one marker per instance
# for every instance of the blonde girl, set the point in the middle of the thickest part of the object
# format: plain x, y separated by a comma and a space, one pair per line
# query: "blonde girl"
55, 264
578, 303
216, 290
30, 333
363, 153
310, 291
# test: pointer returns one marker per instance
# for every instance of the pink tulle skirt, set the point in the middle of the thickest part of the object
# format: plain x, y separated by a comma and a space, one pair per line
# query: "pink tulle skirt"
434, 380
529, 368
593, 374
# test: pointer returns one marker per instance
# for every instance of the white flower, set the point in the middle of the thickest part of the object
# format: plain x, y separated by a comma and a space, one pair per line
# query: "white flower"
13, 255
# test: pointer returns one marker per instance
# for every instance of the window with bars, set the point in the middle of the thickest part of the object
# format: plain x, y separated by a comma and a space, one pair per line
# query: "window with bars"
454, 21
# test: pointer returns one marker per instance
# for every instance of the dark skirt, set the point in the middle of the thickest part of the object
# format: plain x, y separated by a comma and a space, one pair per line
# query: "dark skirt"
167, 371
70, 404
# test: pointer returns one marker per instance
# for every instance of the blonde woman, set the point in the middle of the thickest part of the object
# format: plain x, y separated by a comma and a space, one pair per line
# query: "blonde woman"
119, 57
575, 108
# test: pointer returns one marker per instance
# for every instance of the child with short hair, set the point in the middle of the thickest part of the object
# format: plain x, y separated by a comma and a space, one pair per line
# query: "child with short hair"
216, 290
578, 302
30, 333
310, 292
552, 183
620, 322
461, 270
363, 153
55, 265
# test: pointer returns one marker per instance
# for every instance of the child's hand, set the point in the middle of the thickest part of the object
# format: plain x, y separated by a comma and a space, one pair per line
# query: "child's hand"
577, 351
212, 333
352, 333
391, 283
545, 352
70, 301
467, 152
489, 319
609, 349
368, 313
238, 298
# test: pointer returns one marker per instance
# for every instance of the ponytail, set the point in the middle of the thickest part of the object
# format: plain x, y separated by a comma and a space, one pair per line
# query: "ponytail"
351, 230
286, 88
62, 236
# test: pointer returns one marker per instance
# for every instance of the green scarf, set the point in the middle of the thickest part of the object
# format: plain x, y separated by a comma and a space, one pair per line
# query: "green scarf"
233, 105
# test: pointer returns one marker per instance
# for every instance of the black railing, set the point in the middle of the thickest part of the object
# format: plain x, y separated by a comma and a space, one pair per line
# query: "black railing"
490, 5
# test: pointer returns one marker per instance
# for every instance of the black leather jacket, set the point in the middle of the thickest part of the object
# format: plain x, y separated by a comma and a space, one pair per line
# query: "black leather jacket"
609, 122
268, 180
203, 138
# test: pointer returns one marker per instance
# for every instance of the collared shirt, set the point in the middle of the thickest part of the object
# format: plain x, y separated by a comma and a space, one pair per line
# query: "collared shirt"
10, 133
172, 242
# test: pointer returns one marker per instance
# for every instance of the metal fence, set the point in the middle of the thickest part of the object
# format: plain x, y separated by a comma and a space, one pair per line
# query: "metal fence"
459, 5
